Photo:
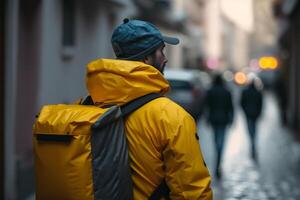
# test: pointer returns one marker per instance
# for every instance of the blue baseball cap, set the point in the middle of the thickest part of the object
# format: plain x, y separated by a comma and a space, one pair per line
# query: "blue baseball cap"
134, 39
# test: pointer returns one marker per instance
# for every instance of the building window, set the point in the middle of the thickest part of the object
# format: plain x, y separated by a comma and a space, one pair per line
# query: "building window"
68, 25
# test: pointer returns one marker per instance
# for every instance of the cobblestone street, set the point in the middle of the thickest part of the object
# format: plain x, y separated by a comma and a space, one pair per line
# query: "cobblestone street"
275, 175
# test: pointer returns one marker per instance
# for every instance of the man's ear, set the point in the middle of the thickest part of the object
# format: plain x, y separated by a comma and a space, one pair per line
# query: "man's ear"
147, 59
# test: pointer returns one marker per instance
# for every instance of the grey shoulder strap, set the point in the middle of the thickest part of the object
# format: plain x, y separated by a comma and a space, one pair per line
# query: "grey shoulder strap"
128, 107
110, 116
136, 103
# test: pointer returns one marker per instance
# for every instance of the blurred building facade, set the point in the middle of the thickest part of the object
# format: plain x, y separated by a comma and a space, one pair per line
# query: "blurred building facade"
47, 46
288, 85
263, 40
237, 32
228, 27
2, 71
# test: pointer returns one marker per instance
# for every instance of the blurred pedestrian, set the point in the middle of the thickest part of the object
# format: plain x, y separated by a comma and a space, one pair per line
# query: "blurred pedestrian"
161, 135
219, 113
251, 102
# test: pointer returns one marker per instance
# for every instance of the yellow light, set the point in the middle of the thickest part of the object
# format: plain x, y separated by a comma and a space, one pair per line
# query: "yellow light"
273, 63
240, 78
263, 62
268, 63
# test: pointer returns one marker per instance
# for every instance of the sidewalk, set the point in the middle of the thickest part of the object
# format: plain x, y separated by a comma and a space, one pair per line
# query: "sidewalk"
277, 173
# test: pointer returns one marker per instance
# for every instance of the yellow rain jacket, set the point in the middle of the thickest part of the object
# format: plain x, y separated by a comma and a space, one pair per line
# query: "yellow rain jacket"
161, 134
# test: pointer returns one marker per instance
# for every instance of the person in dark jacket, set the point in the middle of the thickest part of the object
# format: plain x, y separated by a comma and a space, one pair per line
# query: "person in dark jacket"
219, 112
251, 102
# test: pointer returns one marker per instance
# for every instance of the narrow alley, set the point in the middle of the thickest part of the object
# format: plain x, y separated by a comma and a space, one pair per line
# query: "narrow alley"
47, 53
275, 175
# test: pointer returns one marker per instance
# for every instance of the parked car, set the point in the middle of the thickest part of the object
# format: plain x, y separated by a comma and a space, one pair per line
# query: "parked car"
188, 89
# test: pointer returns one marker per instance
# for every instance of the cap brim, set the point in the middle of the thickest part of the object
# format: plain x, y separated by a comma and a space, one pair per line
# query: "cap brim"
171, 40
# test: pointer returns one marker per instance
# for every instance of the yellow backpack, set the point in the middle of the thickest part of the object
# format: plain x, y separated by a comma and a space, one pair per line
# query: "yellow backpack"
81, 152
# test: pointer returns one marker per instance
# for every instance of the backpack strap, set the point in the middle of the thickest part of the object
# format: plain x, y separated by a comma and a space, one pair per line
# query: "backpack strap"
136, 103
128, 107
87, 101
161, 191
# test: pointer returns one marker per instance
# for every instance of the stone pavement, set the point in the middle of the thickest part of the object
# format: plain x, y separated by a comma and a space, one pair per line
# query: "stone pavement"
276, 174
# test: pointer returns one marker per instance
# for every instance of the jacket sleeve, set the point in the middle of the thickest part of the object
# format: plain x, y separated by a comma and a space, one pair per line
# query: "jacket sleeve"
186, 173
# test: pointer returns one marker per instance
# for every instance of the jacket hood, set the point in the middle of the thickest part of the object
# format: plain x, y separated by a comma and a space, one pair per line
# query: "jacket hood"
112, 81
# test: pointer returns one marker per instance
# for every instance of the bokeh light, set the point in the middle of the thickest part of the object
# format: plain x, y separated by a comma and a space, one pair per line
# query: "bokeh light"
268, 62
240, 78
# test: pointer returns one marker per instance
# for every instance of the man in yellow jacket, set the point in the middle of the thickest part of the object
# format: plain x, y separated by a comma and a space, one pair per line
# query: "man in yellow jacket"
161, 135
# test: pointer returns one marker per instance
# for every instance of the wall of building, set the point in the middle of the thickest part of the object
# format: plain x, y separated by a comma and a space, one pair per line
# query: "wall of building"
63, 66
266, 29
288, 86
213, 30
11, 30
294, 83
2, 83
